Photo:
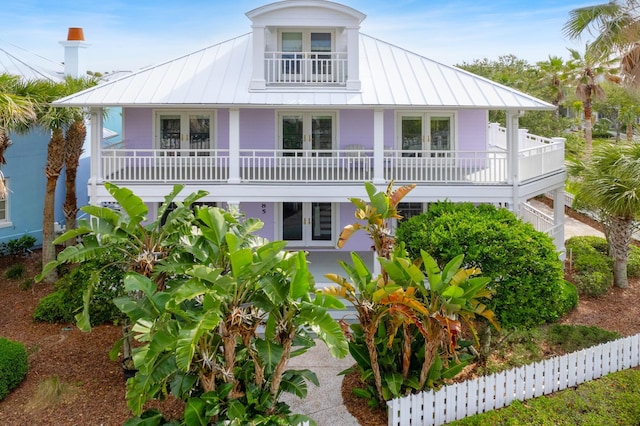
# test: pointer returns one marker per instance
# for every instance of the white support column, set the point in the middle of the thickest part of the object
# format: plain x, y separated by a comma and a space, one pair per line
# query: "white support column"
96, 176
378, 147
377, 269
258, 81
513, 158
558, 221
233, 205
234, 145
353, 59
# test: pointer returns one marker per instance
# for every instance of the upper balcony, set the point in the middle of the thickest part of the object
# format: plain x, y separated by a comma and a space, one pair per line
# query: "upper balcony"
537, 157
305, 42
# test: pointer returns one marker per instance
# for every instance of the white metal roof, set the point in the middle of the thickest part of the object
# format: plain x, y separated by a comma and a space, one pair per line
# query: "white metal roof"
15, 60
220, 75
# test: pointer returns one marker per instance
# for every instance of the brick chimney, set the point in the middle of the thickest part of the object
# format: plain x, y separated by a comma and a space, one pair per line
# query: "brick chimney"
75, 41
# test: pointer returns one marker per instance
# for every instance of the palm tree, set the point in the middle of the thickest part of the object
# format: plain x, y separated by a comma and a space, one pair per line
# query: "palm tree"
616, 28
609, 183
57, 120
17, 112
74, 140
553, 78
586, 72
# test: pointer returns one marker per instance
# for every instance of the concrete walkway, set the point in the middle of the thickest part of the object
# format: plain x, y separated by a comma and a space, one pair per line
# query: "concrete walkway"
324, 403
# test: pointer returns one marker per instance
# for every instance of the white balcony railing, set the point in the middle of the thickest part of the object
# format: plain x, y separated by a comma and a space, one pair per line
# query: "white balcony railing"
303, 68
350, 165
268, 165
159, 165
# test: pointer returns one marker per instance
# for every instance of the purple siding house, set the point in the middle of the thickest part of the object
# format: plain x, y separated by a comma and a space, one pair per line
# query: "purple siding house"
288, 121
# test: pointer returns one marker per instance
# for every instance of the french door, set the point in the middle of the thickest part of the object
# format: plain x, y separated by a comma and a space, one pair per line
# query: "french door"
177, 130
432, 133
307, 134
307, 224
306, 55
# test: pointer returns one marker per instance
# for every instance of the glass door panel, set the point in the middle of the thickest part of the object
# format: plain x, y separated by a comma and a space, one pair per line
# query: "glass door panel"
200, 132
307, 224
321, 134
439, 135
292, 221
292, 134
291, 42
411, 137
321, 63
170, 131
321, 226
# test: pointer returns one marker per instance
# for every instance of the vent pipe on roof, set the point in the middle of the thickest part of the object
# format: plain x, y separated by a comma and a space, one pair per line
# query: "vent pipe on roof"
75, 41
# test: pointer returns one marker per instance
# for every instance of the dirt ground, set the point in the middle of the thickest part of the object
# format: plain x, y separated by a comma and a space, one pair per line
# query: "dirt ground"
95, 387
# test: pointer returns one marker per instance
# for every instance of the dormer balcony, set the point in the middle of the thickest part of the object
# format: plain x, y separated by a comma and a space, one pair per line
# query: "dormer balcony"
306, 68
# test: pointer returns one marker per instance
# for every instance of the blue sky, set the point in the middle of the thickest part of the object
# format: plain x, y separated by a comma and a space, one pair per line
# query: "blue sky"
131, 34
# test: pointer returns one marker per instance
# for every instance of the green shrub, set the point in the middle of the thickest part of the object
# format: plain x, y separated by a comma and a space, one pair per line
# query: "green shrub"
18, 246
571, 338
592, 266
55, 308
522, 263
633, 263
15, 271
14, 365
65, 302
569, 299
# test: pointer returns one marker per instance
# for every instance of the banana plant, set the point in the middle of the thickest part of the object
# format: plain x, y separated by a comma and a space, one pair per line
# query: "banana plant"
142, 245
410, 314
219, 335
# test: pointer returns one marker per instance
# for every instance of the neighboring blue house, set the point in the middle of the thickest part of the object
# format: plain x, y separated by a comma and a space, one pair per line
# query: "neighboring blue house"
21, 212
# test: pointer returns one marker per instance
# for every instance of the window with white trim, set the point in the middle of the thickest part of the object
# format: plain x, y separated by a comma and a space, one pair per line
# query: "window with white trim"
184, 132
307, 133
426, 134
4, 207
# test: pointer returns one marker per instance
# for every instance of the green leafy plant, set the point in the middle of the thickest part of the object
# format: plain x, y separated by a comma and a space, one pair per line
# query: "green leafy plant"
198, 286
590, 264
409, 321
198, 334
14, 365
17, 247
138, 244
62, 305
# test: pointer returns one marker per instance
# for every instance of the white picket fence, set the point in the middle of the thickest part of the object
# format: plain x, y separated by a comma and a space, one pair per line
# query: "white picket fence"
487, 393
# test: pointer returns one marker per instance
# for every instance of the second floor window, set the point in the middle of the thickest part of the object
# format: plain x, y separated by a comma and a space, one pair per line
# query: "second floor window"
185, 132
307, 133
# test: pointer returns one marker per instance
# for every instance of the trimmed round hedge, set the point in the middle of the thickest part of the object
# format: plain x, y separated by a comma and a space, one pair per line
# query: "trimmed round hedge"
14, 365
523, 264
